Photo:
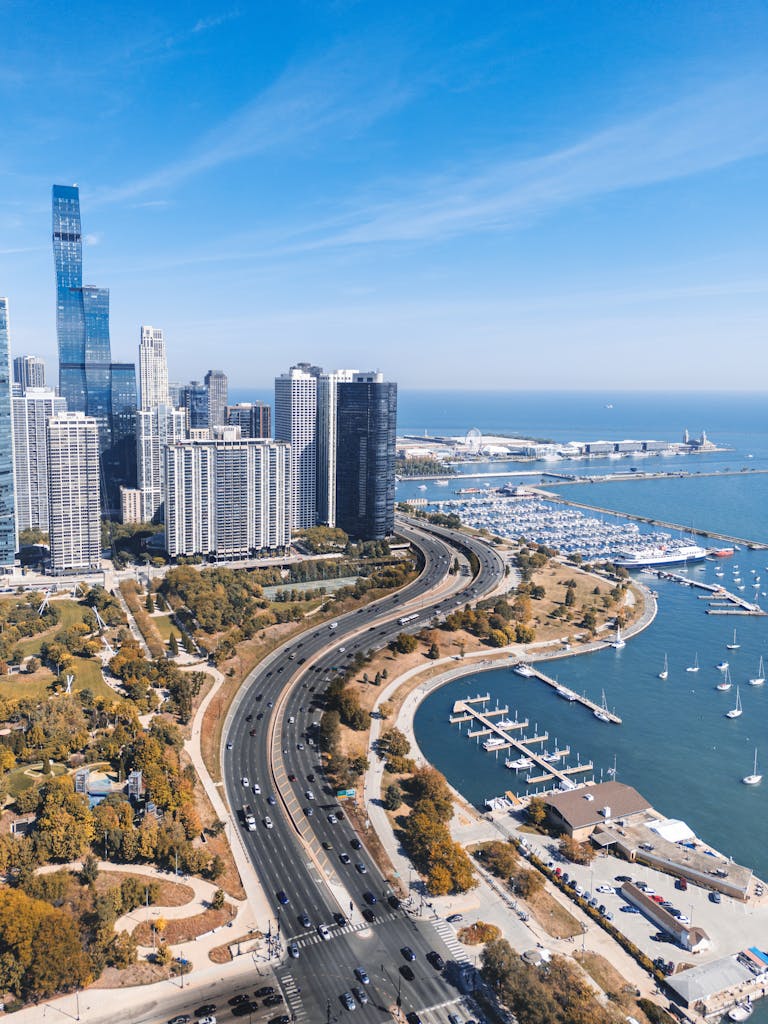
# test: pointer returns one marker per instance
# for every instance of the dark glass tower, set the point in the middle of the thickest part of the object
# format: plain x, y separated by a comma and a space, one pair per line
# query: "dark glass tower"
7, 503
124, 402
366, 425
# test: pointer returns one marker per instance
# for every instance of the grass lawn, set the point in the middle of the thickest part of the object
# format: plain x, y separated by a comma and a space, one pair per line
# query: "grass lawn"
71, 612
27, 775
88, 677
164, 624
18, 686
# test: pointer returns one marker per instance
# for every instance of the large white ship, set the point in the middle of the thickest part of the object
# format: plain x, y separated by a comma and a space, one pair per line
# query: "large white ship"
660, 555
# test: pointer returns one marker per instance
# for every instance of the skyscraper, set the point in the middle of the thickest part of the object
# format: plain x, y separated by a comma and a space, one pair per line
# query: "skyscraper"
327, 385
121, 459
217, 386
74, 508
228, 497
31, 412
153, 369
8, 534
28, 372
253, 418
155, 429
296, 422
194, 398
366, 428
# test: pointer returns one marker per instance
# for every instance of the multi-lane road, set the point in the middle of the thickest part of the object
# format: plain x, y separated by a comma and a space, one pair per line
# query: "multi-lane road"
302, 850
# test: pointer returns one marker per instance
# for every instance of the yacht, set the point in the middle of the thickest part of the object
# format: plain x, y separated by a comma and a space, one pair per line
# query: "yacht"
737, 711
601, 713
755, 777
523, 670
664, 674
741, 1011
733, 646
494, 743
566, 694
722, 665
618, 643
725, 683
695, 666
759, 679
519, 763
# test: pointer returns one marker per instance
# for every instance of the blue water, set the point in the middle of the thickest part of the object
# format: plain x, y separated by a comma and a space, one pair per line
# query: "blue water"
675, 745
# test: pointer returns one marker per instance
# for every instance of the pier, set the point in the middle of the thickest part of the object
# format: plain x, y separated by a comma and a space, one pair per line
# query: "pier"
579, 698
561, 774
721, 601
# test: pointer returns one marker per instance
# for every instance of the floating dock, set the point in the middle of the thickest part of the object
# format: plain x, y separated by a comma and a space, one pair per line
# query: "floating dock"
580, 699
721, 601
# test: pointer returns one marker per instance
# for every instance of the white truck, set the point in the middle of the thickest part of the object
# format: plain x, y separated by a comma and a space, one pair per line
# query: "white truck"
250, 818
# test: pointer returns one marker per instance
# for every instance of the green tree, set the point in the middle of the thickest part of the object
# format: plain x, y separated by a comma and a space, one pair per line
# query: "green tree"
173, 645
218, 899
536, 811
393, 796
149, 604
90, 869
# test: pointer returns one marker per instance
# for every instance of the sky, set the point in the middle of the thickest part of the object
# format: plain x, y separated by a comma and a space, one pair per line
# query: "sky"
464, 195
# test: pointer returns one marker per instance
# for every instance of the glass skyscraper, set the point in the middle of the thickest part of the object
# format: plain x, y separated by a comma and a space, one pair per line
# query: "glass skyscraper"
7, 503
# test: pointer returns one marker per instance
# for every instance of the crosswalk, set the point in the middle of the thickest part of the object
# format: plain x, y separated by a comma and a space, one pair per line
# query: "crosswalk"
448, 935
292, 995
312, 938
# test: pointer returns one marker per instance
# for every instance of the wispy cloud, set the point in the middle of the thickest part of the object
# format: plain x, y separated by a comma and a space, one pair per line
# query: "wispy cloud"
341, 89
204, 24
699, 133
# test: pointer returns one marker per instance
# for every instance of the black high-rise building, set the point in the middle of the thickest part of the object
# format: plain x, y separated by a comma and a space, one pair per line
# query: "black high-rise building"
366, 425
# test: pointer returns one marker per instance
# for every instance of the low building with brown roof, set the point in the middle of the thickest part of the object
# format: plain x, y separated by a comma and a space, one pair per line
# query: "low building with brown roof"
579, 812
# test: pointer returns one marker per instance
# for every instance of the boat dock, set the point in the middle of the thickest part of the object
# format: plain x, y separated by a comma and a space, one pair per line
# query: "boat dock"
578, 698
507, 740
721, 601
575, 769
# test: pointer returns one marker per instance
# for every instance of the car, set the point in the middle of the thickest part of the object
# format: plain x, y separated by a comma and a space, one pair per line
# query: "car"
406, 972
210, 1019
249, 717
361, 868
348, 1001
323, 932
332, 819
269, 703
293, 951
309, 811
259, 716
408, 953
299, 746
360, 995
265, 990
229, 744
605, 888
282, 899
368, 914
244, 780
629, 909
242, 1008
355, 844
394, 902
291, 777
435, 960
647, 890
182, 1018
274, 1000
326, 845
271, 800
715, 897
256, 788
283, 1018
268, 822
339, 919
339, 814
342, 649
454, 918
236, 1000
252, 733
682, 884
344, 858
370, 898
362, 975
657, 899
682, 918
304, 921
413, 1017
623, 878
453, 1019
608, 915
666, 904
206, 1010
309, 794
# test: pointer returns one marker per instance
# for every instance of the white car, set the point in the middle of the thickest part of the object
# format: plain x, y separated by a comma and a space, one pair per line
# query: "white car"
309, 795
207, 1020
268, 822
256, 788
332, 819
323, 932
293, 951
244, 780
342, 649
605, 888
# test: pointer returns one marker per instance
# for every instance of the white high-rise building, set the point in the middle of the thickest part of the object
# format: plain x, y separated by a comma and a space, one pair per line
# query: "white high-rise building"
155, 428
31, 412
74, 503
296, 423
28, 372
153, 369
228, 497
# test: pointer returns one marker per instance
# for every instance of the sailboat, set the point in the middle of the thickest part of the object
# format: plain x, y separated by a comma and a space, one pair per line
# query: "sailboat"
759, 679
737, 711
734, 646
726, 683
601, 713
665, 671
695, 666
618, 643
722, 665
754, 778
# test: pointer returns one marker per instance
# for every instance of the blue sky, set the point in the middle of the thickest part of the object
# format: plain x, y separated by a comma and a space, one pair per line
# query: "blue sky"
487, 195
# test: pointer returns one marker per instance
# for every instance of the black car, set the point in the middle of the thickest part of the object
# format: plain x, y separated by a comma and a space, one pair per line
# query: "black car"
273, 1000
356, 844
242, 1008
249, 718
282, 899
368, 914
304, 921
370, 898
282, 1019
407, 973
265, 990
339, 919
237, 1000
413, 1017
310, 777
394, 902
623, 878
408, 953
204, 1011
183, 1018
436, 960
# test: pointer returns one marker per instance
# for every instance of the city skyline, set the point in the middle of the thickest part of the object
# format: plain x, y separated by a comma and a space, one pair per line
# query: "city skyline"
486, 180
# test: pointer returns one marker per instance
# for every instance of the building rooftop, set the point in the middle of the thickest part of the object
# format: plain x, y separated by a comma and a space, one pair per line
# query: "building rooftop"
586, 806
707, 980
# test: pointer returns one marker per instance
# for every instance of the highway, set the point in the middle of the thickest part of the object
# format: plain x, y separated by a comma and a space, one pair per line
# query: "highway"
306, 854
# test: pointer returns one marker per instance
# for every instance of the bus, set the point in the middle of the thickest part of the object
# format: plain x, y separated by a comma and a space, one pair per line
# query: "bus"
407, 618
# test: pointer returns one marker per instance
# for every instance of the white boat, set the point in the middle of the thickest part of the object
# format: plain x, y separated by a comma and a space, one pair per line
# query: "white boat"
665, 554
722, 665
664, 674
519, 763
733, 646
719, 574
695, 666
523, 670
737, 711
566, 694
725, 683
759, 679
422, 487
618, 643
741, 1011
755, 777
601, 713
